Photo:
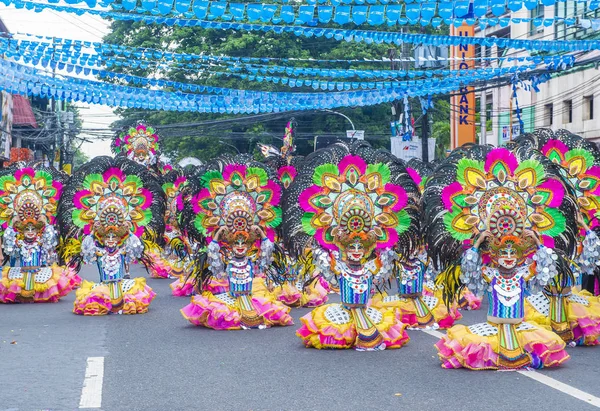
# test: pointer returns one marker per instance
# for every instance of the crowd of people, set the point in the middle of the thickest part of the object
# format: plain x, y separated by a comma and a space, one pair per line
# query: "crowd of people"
404, 245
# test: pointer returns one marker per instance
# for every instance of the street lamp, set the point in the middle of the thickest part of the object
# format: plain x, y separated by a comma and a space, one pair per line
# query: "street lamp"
343, 115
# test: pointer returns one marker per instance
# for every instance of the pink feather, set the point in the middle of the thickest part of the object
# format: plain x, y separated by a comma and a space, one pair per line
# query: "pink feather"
306, 195
400, 193
231, 168
350, 161
448, 192
290, 170
179, 181
392, 235
276, 189
113, 171
414, 175
147, 198
556, 145
58, 187
320, 237
548, 241
78, 197
557, 190
594, 171
202, 195
24, 171
505, 156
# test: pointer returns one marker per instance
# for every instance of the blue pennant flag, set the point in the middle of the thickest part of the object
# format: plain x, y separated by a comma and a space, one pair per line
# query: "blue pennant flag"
325, 14
376, 15
359, 14
342, 15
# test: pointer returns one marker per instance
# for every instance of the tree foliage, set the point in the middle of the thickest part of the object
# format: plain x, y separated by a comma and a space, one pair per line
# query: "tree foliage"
204, 142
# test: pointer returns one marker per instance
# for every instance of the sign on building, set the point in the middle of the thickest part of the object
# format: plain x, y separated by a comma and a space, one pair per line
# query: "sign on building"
462, 104
6, 125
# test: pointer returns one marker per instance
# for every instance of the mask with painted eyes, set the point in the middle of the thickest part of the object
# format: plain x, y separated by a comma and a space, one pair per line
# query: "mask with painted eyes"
111, 240
240, 247
507, 257
30, 232
355, 252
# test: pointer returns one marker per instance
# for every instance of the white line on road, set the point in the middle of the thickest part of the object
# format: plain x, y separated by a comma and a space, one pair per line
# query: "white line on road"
548, 381
91, 393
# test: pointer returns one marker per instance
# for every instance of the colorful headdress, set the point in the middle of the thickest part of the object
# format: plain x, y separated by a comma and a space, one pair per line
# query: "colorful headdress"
238, 193
505, 190
112, 196
173, 184
283, 161
580, 166
29, 195
419, 172
345, 194
139, 143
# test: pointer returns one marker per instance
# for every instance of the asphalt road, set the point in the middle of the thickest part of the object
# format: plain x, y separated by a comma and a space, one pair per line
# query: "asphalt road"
158, 361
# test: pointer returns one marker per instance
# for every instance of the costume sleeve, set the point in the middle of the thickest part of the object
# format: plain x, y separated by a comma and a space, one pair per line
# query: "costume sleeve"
9, 242
386, 260
133, 248
589, 256
214, 259
545, 269
49, 243
322, 260
471, 272
88, 249
266, 254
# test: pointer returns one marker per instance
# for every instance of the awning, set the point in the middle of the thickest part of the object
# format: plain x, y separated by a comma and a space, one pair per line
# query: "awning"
22, 112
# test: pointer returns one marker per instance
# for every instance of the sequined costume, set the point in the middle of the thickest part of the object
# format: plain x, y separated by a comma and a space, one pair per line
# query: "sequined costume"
505, 203
28, 205
111, 211
575, 316
235, 204
353, 204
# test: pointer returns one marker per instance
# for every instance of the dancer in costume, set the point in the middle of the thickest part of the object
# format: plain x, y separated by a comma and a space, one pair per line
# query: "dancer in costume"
28, 205
301, 284
236, 204
140, 144
111, 210
357, 203
502, 202
416, 309
573, 315
174, 260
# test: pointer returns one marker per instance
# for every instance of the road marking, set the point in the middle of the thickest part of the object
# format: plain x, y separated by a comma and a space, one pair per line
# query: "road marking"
91, 393
562, 387
548, 381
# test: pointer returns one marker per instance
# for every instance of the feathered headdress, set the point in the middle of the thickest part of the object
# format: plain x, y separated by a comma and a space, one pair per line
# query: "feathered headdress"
29, 194
419, 172
347, 193
138, 143
504, 190
579, 162
235, 192
111, 196
173, 185
283, 161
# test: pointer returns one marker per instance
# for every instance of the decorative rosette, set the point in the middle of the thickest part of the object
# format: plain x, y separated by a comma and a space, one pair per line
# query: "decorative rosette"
238, 197
354, 197
28, 194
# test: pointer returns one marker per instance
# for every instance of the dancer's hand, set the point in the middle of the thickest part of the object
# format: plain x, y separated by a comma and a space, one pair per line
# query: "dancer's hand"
258, 229
533, 236
482, 237
581, 221
219, 232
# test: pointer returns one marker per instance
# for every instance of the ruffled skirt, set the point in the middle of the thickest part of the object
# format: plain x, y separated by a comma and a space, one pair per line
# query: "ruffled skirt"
223, 312
334, 326
133, 297
422, 312
185, 288
167, 266
466, 300
479, 347
578, 315
45, 285
294, 295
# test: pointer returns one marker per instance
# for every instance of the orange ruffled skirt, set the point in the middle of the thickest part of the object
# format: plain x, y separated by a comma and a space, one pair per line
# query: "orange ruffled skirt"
291, 295
477, 347
46, 285
333, 326
418, 317
95, 298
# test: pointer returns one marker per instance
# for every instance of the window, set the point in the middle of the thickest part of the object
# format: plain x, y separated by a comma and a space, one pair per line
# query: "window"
548, 114
567, 10
488, 112
567, 111
537, 13
588, 107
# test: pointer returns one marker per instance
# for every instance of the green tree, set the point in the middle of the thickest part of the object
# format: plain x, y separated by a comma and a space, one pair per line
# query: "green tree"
206, 142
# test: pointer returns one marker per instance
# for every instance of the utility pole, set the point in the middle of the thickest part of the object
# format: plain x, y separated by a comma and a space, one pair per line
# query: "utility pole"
392, 55
425, 137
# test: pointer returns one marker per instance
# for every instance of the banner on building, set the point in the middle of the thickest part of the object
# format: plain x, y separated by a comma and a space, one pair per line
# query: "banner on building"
6, 125
462, 104
406, 150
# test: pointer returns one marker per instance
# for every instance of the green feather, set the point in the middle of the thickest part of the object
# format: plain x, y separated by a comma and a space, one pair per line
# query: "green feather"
306, 226
324, 169
45, 175
448, 218
76, 217
403, 221
277, 220
134, 179
536, 166
381, 169
91, 178
6, 179
465, 163
210, 175
262, 174
560, 223
198, 223
587, 156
